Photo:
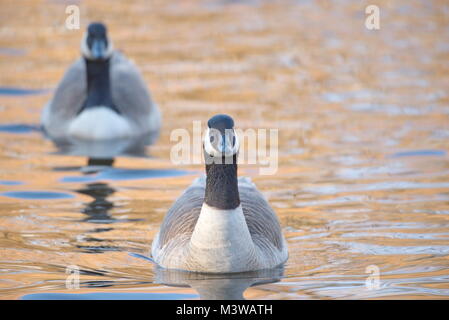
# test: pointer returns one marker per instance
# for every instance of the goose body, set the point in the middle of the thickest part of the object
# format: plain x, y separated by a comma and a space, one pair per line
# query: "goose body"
102, 96
220, 224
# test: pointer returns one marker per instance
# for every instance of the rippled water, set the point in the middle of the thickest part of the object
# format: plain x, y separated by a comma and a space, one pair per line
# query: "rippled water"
363, 176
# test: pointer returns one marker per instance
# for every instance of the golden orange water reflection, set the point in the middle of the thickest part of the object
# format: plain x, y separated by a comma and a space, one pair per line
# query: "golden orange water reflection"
363, 141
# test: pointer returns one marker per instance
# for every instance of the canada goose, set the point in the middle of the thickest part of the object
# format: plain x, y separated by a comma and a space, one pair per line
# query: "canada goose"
221, 223
102, 96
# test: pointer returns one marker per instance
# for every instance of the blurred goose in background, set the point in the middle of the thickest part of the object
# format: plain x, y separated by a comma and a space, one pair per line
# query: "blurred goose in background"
221, 223
102, 96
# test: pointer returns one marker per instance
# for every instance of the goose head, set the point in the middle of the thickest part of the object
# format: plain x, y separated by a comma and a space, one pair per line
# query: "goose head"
221, 140
95, 44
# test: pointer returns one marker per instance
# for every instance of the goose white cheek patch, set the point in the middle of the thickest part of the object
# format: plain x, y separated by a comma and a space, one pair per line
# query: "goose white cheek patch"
216, 146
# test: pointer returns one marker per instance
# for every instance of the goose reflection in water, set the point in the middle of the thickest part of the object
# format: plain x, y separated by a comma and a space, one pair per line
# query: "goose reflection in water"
212, 286
208, 286
98, 209
102, 153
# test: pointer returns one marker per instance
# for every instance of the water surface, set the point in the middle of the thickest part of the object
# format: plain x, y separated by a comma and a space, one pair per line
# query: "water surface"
363, 176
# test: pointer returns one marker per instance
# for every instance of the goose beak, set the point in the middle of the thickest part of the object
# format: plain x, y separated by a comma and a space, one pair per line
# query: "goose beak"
229, 146
223, 144
98, 49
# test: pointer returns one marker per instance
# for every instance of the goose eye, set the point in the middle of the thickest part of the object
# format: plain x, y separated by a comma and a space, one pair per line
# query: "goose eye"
212, 138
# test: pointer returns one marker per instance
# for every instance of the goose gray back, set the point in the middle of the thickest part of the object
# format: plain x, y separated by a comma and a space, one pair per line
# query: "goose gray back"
102, 95
221, 223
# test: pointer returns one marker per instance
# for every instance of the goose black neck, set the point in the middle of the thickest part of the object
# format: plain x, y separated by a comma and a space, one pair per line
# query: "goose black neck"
98, 84
222, 190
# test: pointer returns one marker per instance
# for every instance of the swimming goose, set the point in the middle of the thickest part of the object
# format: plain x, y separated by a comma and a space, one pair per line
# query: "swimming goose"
102, 95
221, 223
